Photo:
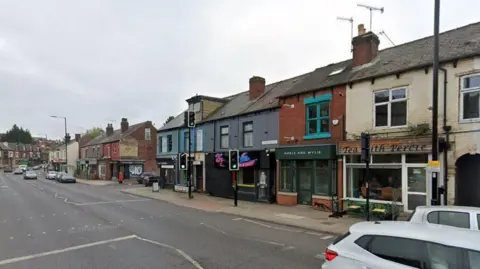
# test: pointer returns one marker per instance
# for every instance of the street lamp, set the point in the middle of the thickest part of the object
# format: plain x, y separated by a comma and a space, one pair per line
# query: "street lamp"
66, 141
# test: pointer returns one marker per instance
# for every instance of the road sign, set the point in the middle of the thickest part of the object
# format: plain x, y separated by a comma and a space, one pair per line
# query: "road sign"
434, 163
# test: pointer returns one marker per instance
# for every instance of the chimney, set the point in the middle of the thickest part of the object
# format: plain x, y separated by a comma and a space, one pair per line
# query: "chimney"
365, 46
77, 137
109, 129
124, 125
257, 87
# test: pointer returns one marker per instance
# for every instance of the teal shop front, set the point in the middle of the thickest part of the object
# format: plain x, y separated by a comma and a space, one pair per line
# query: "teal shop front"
307, 175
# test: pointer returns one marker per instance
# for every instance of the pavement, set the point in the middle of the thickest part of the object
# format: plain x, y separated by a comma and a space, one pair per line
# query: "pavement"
45, 224
303, 217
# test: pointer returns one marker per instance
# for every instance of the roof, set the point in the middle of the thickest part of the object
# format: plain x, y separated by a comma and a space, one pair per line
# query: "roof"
117, 135
177, 122
442, 234
454, 44
240, 104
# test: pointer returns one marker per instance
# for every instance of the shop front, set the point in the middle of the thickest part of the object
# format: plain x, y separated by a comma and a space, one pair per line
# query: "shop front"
88, 168
397, 174
131, 168
255, 177
308, 175
167, 170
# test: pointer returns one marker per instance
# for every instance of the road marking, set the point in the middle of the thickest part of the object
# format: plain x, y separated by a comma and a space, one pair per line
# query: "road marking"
141, 218
314, 233
29, 235
53, 214
327, 237
213, 228
113, 202
238, 219
31, 218
58, 251
259, 223
59, 230
11, 238
181, 252
287, 229
320, 256
18, 219
44, 233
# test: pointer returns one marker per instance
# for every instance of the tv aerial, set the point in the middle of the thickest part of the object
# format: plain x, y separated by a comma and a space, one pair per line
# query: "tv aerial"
371, 8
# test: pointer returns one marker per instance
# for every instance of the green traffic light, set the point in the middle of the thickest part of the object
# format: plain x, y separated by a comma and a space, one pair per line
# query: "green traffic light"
234, 166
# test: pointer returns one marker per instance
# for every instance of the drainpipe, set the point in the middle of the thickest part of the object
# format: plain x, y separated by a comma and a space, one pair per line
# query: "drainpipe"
447, 130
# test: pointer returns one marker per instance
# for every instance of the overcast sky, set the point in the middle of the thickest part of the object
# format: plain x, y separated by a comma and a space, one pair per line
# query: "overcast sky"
94, 61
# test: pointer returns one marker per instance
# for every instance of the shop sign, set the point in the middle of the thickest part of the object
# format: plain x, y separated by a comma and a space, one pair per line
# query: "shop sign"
246, 161
306, 153
386, 147
221, 160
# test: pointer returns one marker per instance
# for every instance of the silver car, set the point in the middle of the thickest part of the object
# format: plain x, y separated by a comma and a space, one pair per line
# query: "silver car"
30, 174
51, 175
65, 178
456, 216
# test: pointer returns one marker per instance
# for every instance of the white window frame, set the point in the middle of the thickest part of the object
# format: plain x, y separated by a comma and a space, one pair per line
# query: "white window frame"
222, 134
199, 140
164, 146
462, 91
249, 132
148, 134
389, 107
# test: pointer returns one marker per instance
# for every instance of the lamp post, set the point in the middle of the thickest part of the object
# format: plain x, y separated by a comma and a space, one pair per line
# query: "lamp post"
66, 141
436, 66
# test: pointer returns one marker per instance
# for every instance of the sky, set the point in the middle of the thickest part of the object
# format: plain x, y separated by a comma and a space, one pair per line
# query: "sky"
97, 61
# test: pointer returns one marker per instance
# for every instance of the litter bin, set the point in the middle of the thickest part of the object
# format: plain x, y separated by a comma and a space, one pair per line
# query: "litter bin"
155, 187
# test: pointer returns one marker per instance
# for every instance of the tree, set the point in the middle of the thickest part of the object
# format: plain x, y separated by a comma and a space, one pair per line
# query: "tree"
170, 118
94, 132
17, 135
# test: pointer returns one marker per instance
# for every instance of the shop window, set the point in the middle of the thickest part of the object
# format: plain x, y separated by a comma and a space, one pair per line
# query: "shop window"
287, 176
385, 183
416, 158
390, 107
322, 178
354, 159
246, 176
387, 158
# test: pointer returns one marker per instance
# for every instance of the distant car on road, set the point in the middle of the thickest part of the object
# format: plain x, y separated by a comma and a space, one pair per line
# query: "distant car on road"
18, 171
30, 175
7, 169
23, 167
51, 175
63, 177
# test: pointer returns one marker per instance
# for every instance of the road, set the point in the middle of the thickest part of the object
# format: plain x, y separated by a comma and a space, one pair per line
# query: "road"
45, 224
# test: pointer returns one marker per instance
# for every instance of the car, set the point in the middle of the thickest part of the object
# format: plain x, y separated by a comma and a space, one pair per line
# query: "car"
402, 245
63, 177
30, 174
8, 169
51, 175
18, 171
23, 167
456, 216
147, 178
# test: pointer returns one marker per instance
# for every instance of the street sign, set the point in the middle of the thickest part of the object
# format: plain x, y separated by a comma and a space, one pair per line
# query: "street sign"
434, 163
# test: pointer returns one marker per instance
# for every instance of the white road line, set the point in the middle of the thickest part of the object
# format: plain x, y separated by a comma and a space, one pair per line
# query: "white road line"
181, 252
213, 228
238, 219
327, 237
314, 233
112, 202
258, 223
44, 233
59, 230
58, 251
287, 229
11, 238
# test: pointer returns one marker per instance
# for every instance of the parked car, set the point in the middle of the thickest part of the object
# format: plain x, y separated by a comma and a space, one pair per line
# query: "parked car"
18, 171
142, 175
402, 244
23, 167
30, 175
51, 175
63, 177
148, 178
8, 169
456, 216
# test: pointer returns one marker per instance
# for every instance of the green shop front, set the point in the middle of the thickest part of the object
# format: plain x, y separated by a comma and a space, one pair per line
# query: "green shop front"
307, 175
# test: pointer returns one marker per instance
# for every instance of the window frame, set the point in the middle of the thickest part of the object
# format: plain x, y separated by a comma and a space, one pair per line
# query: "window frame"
289, 165
149, 132
245, 132
438, 212
318, 119
164, 147
169, 143
186, 135
389, 107
222, 135
461, 92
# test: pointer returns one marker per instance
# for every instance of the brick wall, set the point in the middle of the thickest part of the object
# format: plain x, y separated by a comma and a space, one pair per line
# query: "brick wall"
147, 149
293, 120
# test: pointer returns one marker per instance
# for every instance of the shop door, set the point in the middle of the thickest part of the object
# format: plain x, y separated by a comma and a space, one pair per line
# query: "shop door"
467, 182
304, 177
416, 187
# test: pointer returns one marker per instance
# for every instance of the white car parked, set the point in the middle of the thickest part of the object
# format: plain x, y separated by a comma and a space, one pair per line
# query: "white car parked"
404, 245
51, 175
456, 216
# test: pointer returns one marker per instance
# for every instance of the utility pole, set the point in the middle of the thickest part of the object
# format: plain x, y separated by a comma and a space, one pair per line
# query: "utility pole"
350, 20
436, 65
67, 138
372, 8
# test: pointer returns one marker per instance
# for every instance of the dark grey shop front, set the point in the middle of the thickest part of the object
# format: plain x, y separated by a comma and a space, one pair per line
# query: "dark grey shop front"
256, 177
167, 170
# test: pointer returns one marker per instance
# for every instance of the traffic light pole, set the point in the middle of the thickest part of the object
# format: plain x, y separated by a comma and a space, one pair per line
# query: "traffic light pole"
235, 188
189, 164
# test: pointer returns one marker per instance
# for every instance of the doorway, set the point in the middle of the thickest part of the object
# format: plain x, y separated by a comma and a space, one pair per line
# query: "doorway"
416, 186
304, 176
467, 183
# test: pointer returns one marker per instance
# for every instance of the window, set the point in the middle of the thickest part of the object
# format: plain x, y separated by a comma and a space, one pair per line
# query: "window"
470, 97
399, 250
473, 259
248, 134
148, 134
164, 144
478, 221
186, 140
390, 108
318, 119
114, 148
441, 256
385, 183
108, 151
224, 137
322, 178
246, 176
287, 176
450, 218
363, 241
169, 143
199, 140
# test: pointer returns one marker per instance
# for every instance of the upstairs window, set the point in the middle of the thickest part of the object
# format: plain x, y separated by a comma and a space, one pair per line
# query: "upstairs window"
164, 144
317, 116
148, 134
224, 141
186, 141
390, 108
248, 134
470, 97
169, 143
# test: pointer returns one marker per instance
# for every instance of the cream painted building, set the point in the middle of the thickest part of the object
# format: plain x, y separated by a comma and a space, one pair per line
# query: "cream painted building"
394, 106
57, 156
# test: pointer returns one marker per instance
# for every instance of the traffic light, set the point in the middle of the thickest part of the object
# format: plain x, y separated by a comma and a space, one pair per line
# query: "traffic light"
365, 145
183, 161
233, 161
191, 119
185, 118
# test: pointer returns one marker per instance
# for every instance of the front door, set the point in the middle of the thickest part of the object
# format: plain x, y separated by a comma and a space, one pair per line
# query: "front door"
416, 187
304, 179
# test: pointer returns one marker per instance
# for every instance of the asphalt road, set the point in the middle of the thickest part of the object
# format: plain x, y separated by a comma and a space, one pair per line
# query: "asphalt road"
45, 224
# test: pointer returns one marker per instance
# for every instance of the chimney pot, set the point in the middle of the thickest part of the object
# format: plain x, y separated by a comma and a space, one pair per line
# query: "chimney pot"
124, 125
109, 129
361, 29
257, 87
77, 137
